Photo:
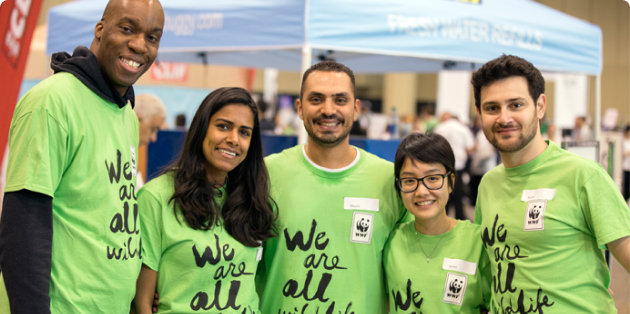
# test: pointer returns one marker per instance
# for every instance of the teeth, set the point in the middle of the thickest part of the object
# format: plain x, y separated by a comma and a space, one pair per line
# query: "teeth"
424, 203
226, 152
130, 63
329, 124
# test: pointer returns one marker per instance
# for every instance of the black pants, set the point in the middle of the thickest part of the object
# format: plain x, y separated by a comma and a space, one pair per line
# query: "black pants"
456, 197
626, 185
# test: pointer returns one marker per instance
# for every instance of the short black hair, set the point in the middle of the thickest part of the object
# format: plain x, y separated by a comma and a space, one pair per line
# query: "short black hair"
427, 148
508, 66
329, 66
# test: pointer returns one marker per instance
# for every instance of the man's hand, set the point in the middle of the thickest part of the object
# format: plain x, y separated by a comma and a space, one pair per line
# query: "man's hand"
155, 302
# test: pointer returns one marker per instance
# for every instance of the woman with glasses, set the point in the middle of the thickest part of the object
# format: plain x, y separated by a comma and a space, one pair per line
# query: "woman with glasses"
203, 219
434, 264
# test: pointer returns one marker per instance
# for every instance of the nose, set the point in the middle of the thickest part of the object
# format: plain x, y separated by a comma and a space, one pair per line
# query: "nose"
328, 107
138, 44
421, 190
232, 138
504, 117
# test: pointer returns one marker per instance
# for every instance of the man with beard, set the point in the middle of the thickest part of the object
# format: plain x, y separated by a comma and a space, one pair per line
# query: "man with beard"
69, 236
545, 213
337, 205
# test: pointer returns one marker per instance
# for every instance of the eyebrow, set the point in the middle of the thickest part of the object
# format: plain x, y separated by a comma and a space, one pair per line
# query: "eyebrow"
342, 94
430, 172
232, 123
509, 100
136, 22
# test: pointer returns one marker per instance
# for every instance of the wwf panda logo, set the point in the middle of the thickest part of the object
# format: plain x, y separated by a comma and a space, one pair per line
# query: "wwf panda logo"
535, 211
455, 286
363, 225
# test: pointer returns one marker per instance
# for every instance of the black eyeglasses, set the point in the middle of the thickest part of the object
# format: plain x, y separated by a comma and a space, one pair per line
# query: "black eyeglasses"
432, 182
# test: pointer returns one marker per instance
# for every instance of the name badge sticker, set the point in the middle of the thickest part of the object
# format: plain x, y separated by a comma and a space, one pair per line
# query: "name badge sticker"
259, 253
454, 288
538, 195
358, 203
362, 225
460, 266
133, 160
535, 216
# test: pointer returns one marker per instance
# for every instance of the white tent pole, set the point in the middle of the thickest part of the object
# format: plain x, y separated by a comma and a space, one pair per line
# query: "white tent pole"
307, 59
598, 107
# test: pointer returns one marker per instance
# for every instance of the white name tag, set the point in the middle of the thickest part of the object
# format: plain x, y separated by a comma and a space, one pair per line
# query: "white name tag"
357, 203
460, 266
538, 195
259, 252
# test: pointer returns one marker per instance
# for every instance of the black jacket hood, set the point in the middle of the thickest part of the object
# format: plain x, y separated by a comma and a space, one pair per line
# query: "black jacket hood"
84, 66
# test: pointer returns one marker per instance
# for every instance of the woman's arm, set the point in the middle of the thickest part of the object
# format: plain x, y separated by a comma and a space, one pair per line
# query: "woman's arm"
145, 290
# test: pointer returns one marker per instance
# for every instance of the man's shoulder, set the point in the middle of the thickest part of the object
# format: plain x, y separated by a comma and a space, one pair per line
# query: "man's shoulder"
372, 160
282, 157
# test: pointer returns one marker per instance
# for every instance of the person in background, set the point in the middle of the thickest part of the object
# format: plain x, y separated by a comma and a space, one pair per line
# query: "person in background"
266, 126
456, 275
462, 142
69, 239
545, 213
180, 122
484, 158
626, 163
581, 130
203, 220
151, 114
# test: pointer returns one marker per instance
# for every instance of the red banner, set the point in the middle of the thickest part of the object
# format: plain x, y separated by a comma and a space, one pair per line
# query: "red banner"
169, 71
18, 19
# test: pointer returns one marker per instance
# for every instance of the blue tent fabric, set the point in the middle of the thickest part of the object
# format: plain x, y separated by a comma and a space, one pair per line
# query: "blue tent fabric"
369, 36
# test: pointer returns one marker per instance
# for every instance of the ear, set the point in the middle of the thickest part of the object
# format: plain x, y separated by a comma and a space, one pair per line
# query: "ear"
478, 112
298, 104
357, 106
98, 30
452, 177
541, 106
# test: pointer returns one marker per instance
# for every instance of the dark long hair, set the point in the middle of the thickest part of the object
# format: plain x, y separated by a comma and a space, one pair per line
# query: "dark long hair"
248, 211
428, 148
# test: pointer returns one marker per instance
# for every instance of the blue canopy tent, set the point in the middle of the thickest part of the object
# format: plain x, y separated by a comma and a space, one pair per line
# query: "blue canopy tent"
369, 36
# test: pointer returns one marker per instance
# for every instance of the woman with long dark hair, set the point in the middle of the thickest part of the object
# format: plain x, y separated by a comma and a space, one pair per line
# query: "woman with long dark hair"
203, 220
434, 264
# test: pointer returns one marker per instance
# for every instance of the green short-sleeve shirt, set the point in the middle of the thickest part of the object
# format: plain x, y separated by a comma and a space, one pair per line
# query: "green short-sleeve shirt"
198, 270
67, 142
455, 280
544, 224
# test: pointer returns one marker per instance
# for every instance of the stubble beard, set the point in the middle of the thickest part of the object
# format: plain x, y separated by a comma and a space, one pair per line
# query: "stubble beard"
328, 140
527, 135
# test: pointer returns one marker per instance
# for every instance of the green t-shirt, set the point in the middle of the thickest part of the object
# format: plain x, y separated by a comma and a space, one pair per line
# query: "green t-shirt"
543, 225
198, 270
67, 142
332, 229
456, 280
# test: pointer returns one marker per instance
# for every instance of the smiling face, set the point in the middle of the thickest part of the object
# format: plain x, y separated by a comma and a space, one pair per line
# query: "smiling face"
328, 107
126, 40
227, 140
428, 206
509, 115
